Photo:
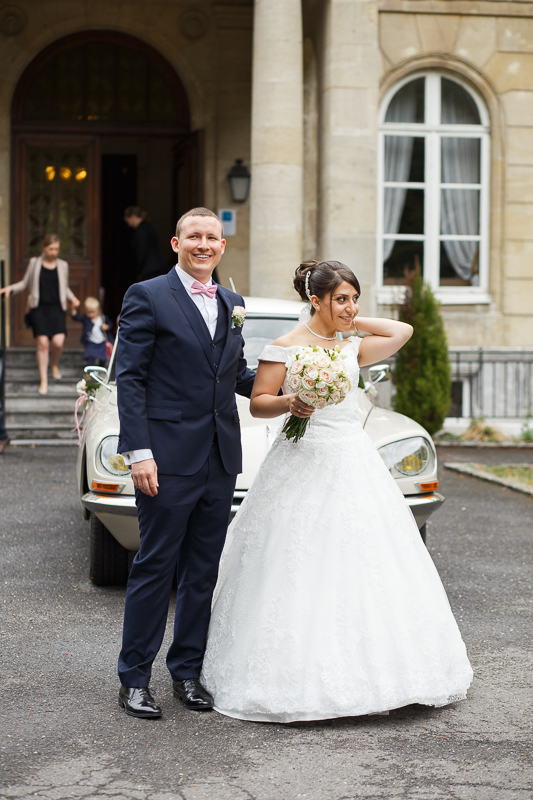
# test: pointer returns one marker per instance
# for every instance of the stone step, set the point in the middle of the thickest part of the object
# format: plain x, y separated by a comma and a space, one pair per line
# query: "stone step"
39, 404
25, 356
16, 388
32, 432
17, 419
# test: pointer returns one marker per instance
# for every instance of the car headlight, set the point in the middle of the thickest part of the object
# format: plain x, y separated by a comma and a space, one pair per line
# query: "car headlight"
408, 457
108, 459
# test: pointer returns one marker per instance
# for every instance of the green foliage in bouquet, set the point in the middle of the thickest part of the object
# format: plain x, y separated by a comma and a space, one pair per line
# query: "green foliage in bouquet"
422, 371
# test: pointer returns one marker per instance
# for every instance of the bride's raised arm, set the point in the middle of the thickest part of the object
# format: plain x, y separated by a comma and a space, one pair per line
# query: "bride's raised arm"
265, 402
388, 336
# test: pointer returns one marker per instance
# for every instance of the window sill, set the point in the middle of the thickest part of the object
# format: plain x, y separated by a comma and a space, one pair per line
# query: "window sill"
392, 295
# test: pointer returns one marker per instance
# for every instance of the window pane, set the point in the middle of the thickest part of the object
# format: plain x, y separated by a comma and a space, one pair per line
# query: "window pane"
459, 212
404, 211
401, 259
404, 159
407, 105
460, 159
457, 106
459, 263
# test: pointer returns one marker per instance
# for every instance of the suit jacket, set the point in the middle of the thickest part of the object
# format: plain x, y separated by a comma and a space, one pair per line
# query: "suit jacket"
88, 326
176, 387
31, 281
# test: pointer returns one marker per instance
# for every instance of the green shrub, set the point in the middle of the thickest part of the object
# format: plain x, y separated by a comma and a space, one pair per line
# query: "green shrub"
422, 371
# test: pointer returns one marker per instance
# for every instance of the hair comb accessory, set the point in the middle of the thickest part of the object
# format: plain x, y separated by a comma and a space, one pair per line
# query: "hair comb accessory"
308, 293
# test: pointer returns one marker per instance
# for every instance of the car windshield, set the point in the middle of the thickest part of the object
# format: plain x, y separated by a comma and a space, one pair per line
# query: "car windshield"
258, 332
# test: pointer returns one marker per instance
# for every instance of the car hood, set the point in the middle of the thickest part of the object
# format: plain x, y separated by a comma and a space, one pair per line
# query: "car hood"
384, 426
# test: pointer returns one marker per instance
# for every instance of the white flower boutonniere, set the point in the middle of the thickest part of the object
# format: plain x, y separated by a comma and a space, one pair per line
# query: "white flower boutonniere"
238, 315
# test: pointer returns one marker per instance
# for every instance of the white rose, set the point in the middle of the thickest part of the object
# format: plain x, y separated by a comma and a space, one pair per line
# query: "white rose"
322, 391
335, 397
311, 372
296, 367
322, 361
321, 403
307, 383
308, 397
326, 375
294, 382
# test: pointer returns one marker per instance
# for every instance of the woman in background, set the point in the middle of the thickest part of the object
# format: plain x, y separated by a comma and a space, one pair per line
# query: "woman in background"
47, 280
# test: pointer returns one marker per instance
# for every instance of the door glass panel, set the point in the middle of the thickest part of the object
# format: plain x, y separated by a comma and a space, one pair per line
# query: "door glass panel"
459, 212
400, 260
407, 105
457, 105
460, 160
459, 263
57, 198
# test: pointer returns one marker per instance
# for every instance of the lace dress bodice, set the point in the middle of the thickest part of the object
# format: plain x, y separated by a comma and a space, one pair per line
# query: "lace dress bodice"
342, 416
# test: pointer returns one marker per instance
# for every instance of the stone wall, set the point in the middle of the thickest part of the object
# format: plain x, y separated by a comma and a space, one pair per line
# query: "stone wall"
491, 46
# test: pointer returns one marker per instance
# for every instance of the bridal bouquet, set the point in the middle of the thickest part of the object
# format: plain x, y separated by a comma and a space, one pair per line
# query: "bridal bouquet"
319, 378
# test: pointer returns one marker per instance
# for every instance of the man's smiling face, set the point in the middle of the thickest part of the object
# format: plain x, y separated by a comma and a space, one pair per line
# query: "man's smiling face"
200, 246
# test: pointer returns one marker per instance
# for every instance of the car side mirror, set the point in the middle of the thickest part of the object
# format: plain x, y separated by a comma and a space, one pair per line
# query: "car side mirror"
379, 373
96, 376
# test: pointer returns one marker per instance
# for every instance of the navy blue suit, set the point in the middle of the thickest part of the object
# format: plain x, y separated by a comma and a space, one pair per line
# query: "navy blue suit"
176, 396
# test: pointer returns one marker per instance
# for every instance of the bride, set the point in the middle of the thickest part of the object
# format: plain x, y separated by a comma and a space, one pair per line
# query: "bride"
328, 603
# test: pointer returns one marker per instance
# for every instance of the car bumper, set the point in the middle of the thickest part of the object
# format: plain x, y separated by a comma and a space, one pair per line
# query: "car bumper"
123, 505
423, 506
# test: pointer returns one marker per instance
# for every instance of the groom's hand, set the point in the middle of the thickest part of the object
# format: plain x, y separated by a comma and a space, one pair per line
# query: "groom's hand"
144, 474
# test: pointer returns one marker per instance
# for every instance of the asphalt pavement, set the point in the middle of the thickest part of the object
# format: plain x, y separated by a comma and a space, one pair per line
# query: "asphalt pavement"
63, 735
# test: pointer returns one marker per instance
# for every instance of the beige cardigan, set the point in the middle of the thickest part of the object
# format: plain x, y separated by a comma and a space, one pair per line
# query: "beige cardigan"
31, 281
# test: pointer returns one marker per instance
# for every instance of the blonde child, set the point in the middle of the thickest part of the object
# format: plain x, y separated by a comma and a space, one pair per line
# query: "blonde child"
96, 327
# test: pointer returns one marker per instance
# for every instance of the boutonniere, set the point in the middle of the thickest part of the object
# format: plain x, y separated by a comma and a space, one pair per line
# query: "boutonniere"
238, 315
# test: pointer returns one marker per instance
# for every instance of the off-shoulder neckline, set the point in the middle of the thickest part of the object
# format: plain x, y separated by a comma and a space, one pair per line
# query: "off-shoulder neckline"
298, 346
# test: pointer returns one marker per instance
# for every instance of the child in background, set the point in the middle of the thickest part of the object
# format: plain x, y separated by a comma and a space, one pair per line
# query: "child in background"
95, 334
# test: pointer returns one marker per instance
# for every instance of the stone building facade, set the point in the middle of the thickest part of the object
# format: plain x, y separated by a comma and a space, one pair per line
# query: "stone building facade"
388, 134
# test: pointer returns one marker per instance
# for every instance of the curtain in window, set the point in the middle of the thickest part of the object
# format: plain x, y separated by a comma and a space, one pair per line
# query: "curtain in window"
460, 207
398, 153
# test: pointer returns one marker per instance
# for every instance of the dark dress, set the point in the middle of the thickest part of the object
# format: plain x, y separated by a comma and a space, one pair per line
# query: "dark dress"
48, 318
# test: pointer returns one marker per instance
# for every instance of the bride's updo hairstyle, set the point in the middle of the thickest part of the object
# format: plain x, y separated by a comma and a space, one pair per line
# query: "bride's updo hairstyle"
320, 278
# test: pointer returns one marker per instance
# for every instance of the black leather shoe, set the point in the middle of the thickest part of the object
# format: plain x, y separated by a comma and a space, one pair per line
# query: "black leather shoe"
138, 703
193, 695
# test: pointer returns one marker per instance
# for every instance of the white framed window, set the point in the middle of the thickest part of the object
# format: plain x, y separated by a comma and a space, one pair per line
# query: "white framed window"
433, 189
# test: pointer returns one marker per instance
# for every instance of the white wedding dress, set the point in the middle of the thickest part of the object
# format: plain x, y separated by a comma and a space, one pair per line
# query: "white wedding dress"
328, 603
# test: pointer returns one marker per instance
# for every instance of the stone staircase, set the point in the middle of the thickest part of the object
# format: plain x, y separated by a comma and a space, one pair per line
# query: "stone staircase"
35, 419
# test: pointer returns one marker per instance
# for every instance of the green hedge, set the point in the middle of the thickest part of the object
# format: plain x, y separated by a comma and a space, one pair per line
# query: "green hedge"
422, 370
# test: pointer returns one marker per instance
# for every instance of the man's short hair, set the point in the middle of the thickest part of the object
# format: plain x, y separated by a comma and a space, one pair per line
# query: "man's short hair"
197, 212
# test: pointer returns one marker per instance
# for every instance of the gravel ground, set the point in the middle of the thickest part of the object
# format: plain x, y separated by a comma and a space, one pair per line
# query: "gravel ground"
63, 735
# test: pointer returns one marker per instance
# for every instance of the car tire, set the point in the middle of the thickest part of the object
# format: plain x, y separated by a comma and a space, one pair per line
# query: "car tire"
108, 560
423, 532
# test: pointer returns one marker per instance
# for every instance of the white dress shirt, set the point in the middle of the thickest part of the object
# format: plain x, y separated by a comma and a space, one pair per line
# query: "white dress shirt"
208, 308
97, 336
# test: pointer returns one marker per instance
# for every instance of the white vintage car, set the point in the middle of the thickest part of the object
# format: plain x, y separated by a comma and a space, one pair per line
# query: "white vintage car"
105, 485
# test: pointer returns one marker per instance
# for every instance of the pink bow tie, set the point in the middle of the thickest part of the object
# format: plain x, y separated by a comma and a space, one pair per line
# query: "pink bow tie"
201, 288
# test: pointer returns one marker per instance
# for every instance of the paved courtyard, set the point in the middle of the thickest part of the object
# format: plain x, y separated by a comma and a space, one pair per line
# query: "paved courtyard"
63, 735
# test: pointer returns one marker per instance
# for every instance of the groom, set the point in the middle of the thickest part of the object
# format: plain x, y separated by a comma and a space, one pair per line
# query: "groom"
179, 364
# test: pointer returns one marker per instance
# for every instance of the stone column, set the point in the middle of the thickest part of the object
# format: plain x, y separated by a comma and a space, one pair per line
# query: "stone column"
277, 147
349, 107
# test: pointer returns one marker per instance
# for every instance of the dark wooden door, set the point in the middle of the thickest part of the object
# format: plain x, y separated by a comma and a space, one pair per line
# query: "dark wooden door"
56, 190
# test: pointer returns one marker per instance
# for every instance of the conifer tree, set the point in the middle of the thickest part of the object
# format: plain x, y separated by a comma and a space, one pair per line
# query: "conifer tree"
422, 371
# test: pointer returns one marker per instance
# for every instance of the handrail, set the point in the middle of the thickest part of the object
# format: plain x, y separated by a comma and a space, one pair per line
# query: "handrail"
2, 347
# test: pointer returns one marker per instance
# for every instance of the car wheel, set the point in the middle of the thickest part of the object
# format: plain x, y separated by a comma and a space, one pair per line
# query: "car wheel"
108, 559
423, 532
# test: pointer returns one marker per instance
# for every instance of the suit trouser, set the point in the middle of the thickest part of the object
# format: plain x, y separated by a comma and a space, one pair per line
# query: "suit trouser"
184, 525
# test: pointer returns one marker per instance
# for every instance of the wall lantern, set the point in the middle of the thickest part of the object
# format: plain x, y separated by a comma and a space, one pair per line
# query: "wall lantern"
239, 179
